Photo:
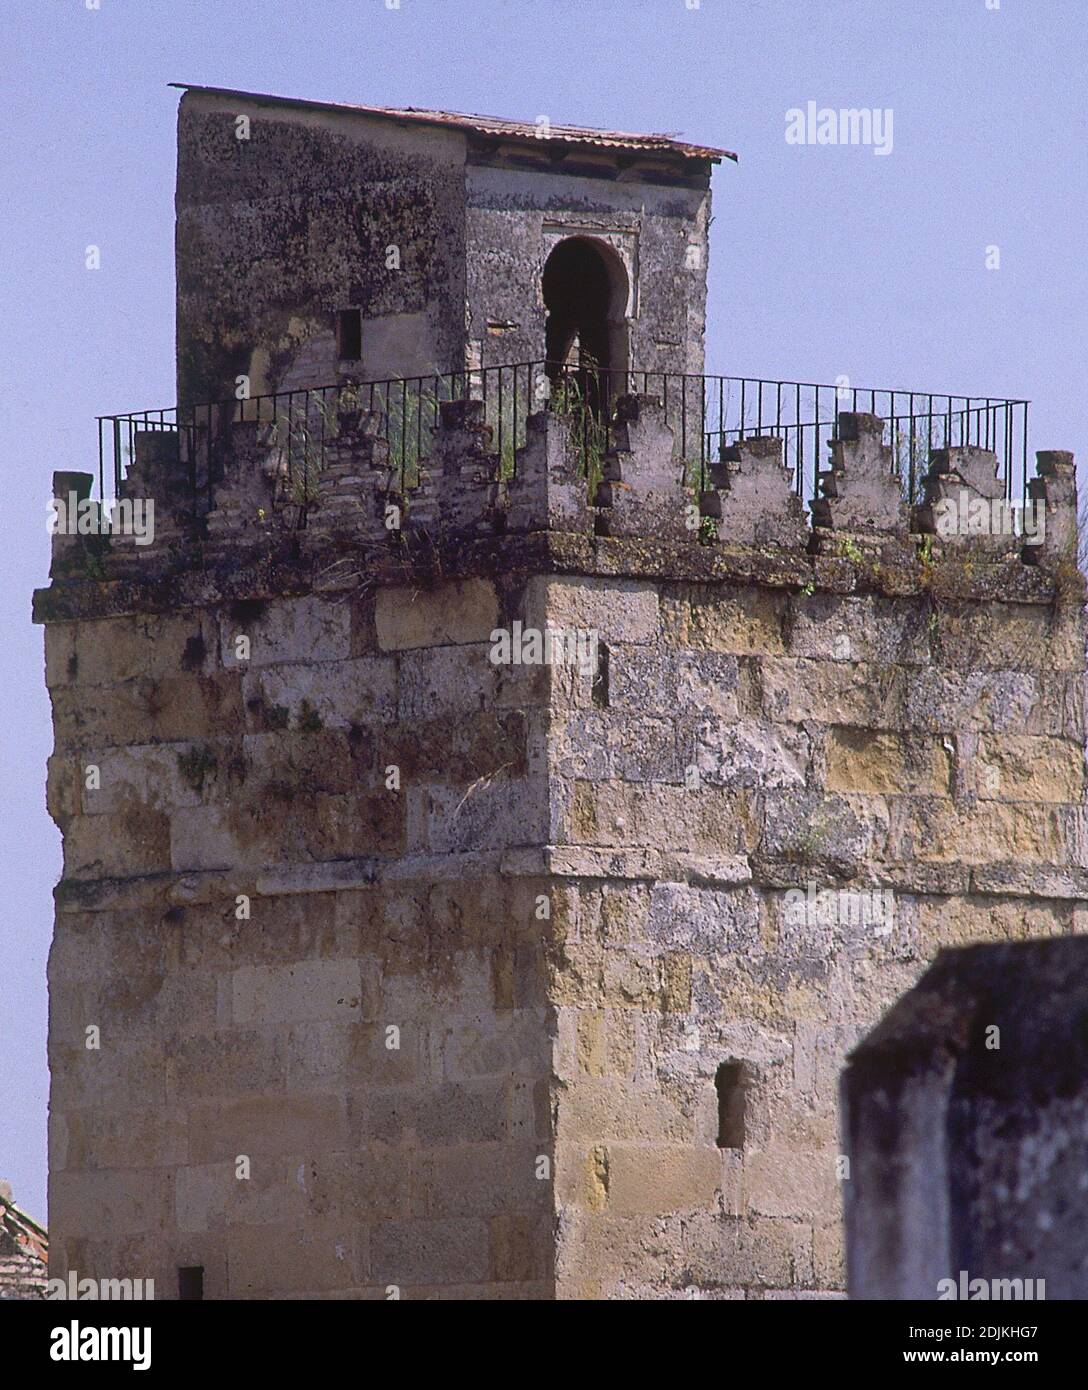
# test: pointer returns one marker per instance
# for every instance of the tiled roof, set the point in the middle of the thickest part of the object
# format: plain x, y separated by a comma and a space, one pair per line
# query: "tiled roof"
18, 1231
495, 126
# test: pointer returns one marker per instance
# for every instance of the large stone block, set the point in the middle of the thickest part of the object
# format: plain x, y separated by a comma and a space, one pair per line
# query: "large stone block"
134, 841
312, 826
816, 829
596, 1252
452, 614
62, 787
313, 1255
446, 682
129, 1202
522, 1248
104, 1137
469, 1112
149, 709
832, 692
1007, 636
486, 814
484, 1044
153, 776
267, 1126
980, 700
672, 682
434, 1252
960, 921
758, 1252
217, 1196
358, 1185
658, 1178
107, 1077
617, 610
60, 654
477, 1179
320, 989
232, 1063
703, 921
886, 764
360, 692
286, 631
934, 828
1014, 767
752, 754
838, 627
113, 650
610, 1108
787, 1182
711, 819
333, 1054
745, 620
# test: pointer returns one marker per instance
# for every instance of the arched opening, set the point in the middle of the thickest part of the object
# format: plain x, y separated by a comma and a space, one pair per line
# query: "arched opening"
585, 289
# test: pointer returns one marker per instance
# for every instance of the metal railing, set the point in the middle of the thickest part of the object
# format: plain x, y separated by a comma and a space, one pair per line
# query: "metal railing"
805, 416
706, 413
294, 428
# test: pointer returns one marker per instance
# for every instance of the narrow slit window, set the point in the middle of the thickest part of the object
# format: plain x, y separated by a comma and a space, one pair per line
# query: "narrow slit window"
730, 1082
191, 1282
349, 335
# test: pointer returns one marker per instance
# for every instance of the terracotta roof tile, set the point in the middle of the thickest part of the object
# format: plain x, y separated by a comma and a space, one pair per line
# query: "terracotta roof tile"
495, 126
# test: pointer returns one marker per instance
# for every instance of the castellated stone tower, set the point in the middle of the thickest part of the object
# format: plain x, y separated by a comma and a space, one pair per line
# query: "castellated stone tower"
392, 959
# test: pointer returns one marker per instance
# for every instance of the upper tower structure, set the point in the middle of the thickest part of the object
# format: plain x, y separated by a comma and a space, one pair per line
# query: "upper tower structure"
318, 242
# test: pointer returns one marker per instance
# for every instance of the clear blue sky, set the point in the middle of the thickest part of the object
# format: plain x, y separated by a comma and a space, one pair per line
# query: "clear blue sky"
824, 260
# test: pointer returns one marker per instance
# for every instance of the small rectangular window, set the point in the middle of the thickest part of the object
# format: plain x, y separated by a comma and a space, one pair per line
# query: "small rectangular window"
349, 335
731, 1084
191, 1282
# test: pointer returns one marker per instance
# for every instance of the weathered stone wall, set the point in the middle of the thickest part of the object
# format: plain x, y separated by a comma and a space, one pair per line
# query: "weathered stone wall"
278, 232
266, 1036
577, 905
842, 740
514, 218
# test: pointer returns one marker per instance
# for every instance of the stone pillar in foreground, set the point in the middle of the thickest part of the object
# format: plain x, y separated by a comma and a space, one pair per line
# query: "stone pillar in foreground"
965, 1119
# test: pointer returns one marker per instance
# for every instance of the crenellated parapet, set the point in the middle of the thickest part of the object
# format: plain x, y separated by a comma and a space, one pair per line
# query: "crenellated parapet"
548, 490
644, 491
964, 503
752, 499
567, 477
1055, 490
861, 495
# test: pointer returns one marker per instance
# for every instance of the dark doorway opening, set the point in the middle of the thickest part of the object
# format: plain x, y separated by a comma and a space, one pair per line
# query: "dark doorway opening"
585, 334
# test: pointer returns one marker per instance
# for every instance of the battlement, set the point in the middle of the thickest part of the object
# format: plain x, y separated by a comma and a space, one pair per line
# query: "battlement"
560, 476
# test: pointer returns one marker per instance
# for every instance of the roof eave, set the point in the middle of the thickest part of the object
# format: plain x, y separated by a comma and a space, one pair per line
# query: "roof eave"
463, 122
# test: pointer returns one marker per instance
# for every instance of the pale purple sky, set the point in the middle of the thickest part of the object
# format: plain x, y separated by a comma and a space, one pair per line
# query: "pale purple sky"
824, 260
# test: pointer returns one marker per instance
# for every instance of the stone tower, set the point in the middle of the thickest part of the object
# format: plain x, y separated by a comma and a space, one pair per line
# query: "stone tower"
398, 953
